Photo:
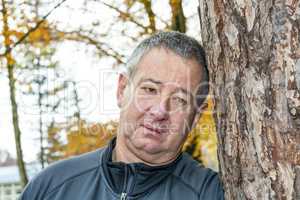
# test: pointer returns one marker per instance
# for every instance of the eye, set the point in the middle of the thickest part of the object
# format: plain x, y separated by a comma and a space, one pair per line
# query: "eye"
179, 101
149, 90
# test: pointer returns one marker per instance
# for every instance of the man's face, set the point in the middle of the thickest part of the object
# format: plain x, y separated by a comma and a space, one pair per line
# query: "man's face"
157, 109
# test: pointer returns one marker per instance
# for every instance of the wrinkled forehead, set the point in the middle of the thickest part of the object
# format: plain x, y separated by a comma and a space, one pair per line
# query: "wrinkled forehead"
168, 68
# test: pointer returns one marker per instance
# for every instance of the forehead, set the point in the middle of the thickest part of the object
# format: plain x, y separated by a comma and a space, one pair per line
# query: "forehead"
167, 67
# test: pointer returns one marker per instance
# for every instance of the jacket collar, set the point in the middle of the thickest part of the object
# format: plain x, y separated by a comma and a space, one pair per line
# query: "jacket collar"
135, 179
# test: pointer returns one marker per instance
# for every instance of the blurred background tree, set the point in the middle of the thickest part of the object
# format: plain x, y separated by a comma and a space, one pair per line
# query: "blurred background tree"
29, 42
17, 20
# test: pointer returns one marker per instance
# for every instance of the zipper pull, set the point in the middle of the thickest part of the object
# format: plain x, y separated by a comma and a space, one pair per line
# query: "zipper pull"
123, 196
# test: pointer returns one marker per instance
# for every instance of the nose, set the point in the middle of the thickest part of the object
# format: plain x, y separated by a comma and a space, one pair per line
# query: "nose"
159, 111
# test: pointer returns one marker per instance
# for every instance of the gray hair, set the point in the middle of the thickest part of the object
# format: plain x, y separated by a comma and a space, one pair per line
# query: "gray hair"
179, 43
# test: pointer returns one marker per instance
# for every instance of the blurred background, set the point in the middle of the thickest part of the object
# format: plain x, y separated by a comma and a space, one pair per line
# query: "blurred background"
59, 61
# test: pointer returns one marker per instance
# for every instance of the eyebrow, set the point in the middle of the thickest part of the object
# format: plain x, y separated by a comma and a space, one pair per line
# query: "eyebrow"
160, 83
150, 80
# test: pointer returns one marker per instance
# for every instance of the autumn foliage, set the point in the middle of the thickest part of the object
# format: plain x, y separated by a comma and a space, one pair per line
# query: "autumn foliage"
81, 137
202, 141
89, 138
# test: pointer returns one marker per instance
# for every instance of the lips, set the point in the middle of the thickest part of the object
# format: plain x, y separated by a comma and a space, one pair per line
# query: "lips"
156, 129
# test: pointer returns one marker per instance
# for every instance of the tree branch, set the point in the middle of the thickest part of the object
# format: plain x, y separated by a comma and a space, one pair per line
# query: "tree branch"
79, 37
9, 49
126, 15
151, 16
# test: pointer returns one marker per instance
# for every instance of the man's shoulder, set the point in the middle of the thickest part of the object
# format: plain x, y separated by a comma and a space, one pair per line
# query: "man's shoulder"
198, 178
73, 166
62, 171
192, 172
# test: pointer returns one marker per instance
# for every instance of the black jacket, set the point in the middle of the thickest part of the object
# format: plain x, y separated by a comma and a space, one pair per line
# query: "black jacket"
94, 176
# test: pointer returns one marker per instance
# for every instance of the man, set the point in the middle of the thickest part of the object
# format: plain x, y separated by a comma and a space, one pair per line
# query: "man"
160, 98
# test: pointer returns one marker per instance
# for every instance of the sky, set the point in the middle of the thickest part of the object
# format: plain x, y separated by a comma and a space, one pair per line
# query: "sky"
96, 80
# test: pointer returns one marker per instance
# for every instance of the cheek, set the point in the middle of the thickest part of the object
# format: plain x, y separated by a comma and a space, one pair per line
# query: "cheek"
142, 103
132, 112
181, 122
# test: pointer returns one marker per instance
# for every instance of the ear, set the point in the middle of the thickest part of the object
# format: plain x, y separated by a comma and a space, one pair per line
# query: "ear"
122, 83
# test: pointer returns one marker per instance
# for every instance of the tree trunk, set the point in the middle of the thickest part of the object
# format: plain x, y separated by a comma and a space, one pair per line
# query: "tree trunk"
40, 97
17, 131
151, 15
178, 18
14, 107
253, 52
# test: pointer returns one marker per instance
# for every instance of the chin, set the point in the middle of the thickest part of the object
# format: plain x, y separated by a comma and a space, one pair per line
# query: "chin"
153, 148
147, 145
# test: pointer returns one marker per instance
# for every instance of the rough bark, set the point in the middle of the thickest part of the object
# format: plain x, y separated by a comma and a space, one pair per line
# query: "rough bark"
14, 106
253, 52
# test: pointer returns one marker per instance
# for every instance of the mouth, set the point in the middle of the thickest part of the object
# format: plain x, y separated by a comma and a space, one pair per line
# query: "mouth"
154, 129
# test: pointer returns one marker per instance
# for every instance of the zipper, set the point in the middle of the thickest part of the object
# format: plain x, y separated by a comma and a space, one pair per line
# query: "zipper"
128, 182
124, 193
123, 196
